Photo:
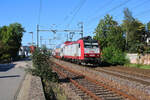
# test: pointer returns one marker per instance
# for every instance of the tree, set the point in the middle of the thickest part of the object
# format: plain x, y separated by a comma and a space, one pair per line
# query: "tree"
10, 40
109, 33
135, 33
148, 26
128, 15
16, 32
128, 20
112, 42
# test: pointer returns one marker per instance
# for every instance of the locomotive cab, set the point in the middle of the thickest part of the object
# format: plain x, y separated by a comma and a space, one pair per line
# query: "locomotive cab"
91, 51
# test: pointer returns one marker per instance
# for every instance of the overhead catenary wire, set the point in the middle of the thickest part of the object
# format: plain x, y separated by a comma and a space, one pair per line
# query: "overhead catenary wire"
102, 7
112, 9
142, 13
140, 4
75, 13
72, 11
136, 6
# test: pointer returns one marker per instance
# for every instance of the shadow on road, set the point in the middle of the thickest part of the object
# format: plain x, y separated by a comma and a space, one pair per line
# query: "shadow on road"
6, 67
9, 76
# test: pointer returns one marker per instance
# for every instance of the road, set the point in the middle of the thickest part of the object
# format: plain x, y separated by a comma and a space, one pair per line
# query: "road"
11, 77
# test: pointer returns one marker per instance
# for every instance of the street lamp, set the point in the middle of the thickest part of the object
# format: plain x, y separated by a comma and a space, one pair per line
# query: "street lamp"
32, 37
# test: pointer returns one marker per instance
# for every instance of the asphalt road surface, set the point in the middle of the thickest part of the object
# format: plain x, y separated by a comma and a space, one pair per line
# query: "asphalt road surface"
11, 77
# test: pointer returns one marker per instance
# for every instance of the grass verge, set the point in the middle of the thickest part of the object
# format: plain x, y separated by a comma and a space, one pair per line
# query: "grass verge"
138, 66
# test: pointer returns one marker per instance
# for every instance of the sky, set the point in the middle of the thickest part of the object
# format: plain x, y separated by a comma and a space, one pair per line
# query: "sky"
66, 14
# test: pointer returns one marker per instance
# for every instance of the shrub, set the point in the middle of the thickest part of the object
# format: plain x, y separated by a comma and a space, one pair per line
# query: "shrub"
42, 67
113, 56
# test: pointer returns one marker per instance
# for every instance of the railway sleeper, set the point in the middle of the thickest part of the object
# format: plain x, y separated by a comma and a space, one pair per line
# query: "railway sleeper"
113, 98
86, 98
97, 89
106, 93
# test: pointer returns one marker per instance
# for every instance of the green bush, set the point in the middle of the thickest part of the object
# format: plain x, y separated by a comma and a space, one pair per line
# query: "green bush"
42, 66
113, 56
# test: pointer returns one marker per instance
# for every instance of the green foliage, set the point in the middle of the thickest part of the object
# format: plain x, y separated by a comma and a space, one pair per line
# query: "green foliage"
112, 42
113, 56
109, 33
42, 67
128, 15
135, 33
148, 26
10, 40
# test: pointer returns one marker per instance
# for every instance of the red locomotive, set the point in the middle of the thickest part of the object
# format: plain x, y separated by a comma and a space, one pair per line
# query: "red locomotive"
84, 50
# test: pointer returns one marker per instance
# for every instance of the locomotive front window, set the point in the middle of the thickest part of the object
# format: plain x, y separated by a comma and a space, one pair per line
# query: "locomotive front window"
88, 46
95, 45
91, 45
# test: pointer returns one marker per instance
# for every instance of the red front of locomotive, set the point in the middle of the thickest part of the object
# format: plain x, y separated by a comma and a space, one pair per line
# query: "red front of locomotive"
91, 51
84, 50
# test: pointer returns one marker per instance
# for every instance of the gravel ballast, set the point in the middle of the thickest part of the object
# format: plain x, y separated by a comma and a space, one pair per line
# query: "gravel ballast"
138, 90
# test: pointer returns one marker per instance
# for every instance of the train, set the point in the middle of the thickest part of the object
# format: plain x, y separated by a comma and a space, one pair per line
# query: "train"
84, 50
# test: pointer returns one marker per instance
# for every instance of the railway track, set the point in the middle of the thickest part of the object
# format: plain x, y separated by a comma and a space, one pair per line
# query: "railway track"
145, 80
127, 70
88, 88
124, 74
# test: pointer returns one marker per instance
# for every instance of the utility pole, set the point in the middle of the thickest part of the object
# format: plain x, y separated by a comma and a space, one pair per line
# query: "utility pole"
65, 30
37, 35
71, 35
40, 40
45, 42
32, 37
81, 29
51, 43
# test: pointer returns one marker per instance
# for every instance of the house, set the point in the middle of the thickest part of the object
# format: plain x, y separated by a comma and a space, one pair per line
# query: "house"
24, 51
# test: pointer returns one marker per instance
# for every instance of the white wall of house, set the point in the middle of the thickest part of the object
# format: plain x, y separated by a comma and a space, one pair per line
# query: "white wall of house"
139, 59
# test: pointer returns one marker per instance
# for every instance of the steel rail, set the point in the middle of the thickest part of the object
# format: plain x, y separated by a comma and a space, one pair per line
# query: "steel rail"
124, 76
78, 85
128, 72
99, 83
